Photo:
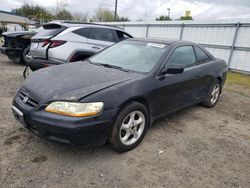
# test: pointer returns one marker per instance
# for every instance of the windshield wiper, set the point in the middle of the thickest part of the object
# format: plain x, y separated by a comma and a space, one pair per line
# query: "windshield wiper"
115, 67
110, 66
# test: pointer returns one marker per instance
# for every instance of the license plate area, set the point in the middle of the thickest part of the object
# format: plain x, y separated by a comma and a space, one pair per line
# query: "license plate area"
18, 115
36, 44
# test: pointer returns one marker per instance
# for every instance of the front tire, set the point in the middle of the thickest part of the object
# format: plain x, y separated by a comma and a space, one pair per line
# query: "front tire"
130, 127
213, 95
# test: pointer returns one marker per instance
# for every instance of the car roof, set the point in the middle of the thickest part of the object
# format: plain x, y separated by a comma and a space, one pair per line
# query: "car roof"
163, 41
68, 23
172, 42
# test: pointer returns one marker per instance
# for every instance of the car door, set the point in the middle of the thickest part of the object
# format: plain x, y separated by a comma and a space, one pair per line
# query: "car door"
178, 90
100, 38
80, 44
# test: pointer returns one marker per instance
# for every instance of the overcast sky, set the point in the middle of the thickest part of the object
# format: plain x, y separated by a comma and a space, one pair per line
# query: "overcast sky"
150, 9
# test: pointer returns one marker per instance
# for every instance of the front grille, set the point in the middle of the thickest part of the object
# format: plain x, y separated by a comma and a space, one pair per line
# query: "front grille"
27, 100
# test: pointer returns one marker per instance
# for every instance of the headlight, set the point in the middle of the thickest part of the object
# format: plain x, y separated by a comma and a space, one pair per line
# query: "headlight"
75, 109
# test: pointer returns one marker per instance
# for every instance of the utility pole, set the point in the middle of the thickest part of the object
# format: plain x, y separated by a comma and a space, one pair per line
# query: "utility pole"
115, 9
169, 13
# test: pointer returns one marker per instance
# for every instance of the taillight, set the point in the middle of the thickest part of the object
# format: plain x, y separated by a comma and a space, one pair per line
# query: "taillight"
55, 43
46, 42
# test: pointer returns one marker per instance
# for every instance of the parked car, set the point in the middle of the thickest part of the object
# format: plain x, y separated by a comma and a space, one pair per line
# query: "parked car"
116, 94
63, 41
16, 45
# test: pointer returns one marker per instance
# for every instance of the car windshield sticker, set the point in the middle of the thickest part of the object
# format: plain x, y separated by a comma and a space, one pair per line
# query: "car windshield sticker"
157, 45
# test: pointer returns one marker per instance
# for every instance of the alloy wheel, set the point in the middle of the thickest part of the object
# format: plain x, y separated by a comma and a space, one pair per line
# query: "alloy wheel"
132, 128
215, 93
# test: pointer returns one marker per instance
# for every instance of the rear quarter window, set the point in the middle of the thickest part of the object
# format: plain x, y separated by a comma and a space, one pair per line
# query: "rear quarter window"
201, 56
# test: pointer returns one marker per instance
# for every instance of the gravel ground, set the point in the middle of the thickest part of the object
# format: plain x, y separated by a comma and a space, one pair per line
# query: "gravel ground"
196, 147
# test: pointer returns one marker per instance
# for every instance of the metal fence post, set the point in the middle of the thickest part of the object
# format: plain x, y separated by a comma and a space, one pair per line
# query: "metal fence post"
182, 27
233, 44
147, 30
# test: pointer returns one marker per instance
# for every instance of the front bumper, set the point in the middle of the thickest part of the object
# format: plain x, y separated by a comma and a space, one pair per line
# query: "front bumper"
87, 131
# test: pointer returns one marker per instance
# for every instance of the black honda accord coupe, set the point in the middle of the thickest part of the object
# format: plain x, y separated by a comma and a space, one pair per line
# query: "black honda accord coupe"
117, 94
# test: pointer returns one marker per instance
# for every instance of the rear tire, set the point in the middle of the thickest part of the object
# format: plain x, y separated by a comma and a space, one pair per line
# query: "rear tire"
130, 127
213, 95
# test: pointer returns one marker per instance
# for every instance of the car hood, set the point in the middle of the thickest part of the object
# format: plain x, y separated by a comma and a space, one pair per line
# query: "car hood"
71, 82
18, 33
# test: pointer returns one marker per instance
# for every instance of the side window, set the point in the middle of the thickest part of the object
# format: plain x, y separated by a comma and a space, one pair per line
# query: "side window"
183, 55
102, 34
201, 56
82, 32
122, 36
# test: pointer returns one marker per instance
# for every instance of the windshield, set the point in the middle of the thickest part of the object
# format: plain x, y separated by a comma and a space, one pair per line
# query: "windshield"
131, 55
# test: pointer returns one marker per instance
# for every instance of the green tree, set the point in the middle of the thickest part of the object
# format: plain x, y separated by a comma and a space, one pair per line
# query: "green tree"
80, 16
64, 15
60, 10
186, 18
163, 18
40, 14
33, 12
107, 15
122, 19
104, 15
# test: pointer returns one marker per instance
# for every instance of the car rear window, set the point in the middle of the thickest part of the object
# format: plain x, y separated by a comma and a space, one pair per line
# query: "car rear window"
50, 30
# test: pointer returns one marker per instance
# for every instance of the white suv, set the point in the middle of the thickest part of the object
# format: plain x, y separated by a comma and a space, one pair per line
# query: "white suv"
64, 41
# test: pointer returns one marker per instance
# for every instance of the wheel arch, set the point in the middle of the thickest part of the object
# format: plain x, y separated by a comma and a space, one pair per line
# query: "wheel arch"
82, 54
139, 99
220, 80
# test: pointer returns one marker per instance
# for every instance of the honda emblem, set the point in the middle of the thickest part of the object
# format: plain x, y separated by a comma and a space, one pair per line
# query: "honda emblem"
25, 99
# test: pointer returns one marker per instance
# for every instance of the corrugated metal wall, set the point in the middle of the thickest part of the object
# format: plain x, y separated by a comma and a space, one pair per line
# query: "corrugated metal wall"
226, 39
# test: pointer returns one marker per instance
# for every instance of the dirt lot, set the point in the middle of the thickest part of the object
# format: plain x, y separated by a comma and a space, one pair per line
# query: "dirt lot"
196, 147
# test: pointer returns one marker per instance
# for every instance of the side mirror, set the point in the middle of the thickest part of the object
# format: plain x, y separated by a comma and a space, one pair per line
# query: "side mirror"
173, 69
